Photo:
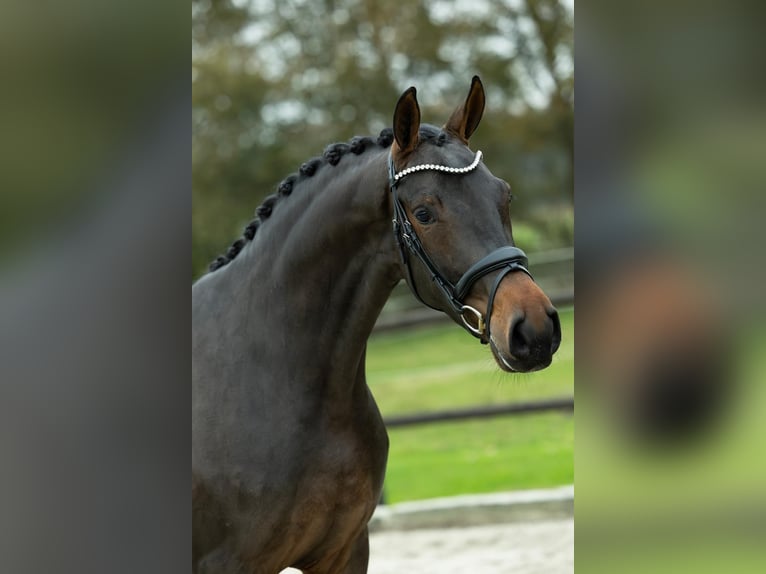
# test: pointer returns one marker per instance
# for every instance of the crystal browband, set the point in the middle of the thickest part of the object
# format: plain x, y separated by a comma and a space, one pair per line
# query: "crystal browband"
436, 167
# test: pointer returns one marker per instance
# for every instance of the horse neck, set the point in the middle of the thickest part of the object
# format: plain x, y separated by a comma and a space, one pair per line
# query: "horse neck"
316, 276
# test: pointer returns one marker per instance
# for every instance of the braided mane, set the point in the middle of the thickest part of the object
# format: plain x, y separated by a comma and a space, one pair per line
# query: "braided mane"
331, 155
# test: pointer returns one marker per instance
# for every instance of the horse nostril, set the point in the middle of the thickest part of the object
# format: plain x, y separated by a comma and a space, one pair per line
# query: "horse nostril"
520, 338
527, 340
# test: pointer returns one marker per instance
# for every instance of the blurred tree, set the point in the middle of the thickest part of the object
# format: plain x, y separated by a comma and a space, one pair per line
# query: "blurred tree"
555, 30
275, 81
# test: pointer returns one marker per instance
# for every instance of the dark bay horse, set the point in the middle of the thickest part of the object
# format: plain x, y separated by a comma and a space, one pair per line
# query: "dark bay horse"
289, 448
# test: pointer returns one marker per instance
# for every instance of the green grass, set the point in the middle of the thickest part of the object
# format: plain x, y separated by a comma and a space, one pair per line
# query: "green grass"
442, 367
499, 454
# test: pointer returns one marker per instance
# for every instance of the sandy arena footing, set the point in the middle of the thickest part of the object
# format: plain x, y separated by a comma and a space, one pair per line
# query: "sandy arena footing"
526, 532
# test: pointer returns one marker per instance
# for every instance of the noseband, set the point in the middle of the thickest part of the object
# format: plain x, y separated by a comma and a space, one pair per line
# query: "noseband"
504, 259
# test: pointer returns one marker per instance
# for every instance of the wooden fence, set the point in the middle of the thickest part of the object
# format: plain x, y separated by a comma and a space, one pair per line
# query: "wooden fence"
565, 404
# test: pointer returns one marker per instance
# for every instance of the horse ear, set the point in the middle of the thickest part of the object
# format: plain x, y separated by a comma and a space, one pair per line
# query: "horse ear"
407, 121
465, 119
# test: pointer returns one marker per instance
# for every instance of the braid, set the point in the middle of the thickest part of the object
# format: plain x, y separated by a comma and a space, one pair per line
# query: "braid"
332, 156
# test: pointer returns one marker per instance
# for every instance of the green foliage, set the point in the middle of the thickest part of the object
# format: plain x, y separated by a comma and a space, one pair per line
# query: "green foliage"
528, 236
554, 223
275, 82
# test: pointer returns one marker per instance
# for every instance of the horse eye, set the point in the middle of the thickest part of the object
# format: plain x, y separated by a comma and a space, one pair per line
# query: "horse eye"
423, 215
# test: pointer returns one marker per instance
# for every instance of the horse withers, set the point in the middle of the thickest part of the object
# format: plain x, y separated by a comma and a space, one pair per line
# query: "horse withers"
289, 449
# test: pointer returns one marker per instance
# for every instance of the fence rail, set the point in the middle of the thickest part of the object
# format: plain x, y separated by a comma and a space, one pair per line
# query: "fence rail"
565, 404
561, 404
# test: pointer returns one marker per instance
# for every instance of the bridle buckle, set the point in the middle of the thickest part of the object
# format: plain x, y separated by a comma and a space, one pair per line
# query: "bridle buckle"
481, 327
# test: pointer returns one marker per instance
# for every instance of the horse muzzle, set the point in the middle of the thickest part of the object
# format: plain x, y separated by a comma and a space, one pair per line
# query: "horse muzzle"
525, 327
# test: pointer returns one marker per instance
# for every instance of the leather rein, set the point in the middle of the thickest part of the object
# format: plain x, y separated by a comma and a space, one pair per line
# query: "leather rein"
505, 259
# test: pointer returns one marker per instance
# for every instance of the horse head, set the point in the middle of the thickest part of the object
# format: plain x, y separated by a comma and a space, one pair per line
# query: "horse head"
453, 226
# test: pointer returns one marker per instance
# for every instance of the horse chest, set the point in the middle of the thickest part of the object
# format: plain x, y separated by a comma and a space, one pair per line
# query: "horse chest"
336, 491
343, 474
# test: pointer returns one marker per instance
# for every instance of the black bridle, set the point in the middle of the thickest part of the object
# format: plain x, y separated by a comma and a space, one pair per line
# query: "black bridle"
504, 259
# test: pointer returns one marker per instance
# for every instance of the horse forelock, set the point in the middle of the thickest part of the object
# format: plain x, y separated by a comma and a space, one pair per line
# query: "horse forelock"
331, 156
